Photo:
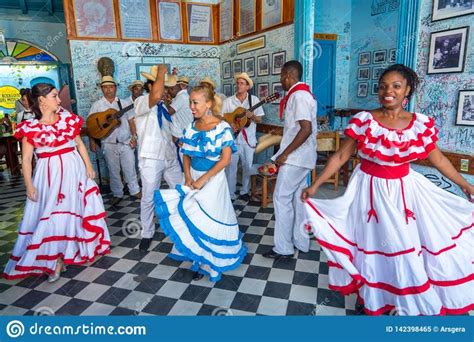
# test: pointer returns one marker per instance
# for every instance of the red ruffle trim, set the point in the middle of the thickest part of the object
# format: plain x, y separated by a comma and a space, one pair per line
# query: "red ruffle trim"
72, 130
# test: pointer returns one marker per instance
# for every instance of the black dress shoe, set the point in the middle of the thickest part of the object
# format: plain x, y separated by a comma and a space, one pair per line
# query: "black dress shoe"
197, 276
245, 197
145, 244
115, 201
274, 255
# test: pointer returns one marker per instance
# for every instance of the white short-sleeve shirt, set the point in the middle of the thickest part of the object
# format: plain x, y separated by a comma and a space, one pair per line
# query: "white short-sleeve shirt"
183, 116
300, 106
230, 104
121, 134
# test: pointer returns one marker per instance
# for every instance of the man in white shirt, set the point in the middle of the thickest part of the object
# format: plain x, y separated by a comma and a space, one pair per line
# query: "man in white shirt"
246, 139
136, 90
296, 158
156, 151
118, 146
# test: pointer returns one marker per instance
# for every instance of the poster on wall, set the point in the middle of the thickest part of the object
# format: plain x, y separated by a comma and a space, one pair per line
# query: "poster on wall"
246, 16
95, 18
447, 51
465, 111
226, 20
135, 19
443, 9
272, 13
199, 23
169, 23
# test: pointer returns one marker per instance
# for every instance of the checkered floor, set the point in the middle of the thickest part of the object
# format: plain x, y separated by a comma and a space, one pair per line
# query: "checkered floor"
131, 282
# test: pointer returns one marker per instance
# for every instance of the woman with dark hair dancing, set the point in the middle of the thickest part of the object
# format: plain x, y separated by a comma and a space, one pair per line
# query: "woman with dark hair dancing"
64, 217
394, 238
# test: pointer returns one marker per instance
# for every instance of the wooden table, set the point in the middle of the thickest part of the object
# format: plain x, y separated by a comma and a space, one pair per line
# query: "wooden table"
12, 153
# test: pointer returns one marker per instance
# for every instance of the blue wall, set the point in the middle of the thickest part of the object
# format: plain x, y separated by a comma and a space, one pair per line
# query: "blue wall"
370, 33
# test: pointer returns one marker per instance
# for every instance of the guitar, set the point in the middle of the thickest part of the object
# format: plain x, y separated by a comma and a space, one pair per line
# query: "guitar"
101, 124
238, 118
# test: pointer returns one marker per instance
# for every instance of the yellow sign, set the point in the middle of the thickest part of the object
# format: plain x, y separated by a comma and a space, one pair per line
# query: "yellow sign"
8, 96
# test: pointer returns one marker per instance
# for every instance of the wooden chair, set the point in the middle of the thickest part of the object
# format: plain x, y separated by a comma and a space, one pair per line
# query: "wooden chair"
268, 186
327, 142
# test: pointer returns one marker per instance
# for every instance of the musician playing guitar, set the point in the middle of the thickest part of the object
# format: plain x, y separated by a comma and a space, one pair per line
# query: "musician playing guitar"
118, 146
245, 139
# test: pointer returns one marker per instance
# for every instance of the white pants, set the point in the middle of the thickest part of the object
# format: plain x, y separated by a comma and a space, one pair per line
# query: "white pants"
121, 156
245, 154
151, 172
289, 210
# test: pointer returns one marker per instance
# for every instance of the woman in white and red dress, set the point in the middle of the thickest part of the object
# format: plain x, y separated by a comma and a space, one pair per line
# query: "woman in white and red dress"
394, 238
64, 216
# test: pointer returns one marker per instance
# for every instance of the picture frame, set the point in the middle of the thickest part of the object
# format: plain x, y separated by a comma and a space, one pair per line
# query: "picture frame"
263, 65
226, 22
376, 72
364, 58
251, 45
277, 88
236, 66
379, 57
227, 89
362, 89
447, 52
363, 73
374, 89
249, 66
170, 21
392, 56
86, 26
272, 13
442, 9
135, 19
247, 17
234, 89
262, 90
278, 59
226, 70
200, 23
465, 108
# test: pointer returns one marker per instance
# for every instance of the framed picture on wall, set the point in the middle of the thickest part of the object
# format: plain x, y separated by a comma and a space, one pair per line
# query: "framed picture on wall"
364, 58
277, 88
249, 66
234, 89
363, 73
465, 112
95, 19
380, 56
169, 20
135, 19
375, 88
362, 89
272, 13
278, 59
443, 9
392, 56
448, 51
200, 23
262, 90
263, 67
376, 72
226, 72
237, 66
227, 90
247, 16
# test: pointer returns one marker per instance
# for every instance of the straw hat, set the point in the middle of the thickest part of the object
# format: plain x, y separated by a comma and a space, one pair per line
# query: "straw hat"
107, 80
183, 79
170, 80
135, 83
151, 76
244, 76
209, 81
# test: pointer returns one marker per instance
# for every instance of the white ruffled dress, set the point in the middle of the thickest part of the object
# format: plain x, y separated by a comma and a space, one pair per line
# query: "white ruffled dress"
68, 220
202, 223
395, 238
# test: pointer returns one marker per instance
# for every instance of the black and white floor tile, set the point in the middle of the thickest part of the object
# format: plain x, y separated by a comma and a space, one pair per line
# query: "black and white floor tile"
131, 282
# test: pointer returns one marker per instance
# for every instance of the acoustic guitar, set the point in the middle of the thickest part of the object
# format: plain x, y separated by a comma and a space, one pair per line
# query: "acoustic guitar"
238, 118
101, 124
